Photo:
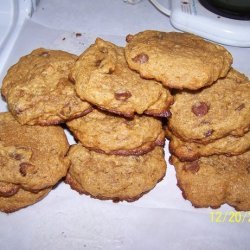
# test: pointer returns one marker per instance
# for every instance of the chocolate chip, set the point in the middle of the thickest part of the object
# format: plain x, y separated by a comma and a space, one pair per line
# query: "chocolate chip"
141, 58
193, 167
78, 34
25, 168
122, 96
242, 106
129, 38
248, 169
16, 156
97, 63
200, 108
9, 190
209, 132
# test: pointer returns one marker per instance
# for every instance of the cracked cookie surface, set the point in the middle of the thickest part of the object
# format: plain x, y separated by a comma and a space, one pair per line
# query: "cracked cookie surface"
190, 151
32, 157
213, 112
114, 177
37, 90
215, 180
103, 78
178, 60
112, 134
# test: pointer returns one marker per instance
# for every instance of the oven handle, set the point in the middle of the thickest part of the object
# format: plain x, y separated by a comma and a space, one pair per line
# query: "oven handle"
161, 8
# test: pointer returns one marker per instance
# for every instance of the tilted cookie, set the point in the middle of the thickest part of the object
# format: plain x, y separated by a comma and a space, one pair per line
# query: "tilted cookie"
214, 112
37, 90
114, 177
215, 180
112, 134
102, 77
178, 60
190, 151
31, 157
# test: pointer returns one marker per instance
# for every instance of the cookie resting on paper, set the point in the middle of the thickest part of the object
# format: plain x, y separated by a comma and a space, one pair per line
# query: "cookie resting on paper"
215, 180
114, 177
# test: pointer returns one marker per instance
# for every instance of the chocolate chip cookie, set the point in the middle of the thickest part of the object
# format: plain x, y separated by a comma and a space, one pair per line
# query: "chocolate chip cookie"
103, 78
178, 60
31, 157
37, 90
112, 134
215, 180
114, 177
214, 112
190, 151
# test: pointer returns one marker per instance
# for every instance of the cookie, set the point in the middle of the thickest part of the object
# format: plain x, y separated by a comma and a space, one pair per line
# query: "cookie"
211, 113
32, 157
178, 60
114, 177
102, 77
190, 151
111, 134
21, 199
38, 92
215, 180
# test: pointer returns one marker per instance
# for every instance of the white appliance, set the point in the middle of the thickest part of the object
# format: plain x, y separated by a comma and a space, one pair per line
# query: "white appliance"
192, 16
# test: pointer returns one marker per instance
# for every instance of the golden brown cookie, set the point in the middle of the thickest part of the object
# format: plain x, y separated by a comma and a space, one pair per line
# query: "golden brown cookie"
190, 151
21, 199
32, 157
213, 112
102, 77
37, 90
215, 180
112, 134
114, 177
178, 60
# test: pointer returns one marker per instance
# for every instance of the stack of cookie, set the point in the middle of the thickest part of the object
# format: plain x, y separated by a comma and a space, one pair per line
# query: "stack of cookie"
33, 158
113, 101
119, 154
208, 129
210, 140
112, 112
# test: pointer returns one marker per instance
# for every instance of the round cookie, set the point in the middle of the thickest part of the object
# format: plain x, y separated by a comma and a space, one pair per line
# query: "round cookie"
111, 134
215, 180
190, 151
32, 157
178, 60
102, 77
21, 199
38, 92
114, 177
214, 112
